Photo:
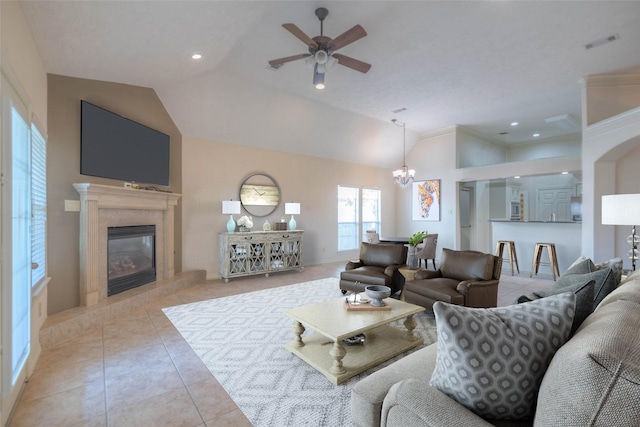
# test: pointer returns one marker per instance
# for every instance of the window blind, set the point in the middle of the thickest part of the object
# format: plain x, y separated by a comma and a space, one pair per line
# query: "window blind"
38, 205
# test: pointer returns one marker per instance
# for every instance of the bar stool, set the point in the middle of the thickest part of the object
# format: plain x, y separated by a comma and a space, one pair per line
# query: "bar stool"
511, 250
553, 259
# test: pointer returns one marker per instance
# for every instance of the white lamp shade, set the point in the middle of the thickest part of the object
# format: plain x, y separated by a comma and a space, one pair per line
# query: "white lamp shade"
621, 209
231, 207
292, 208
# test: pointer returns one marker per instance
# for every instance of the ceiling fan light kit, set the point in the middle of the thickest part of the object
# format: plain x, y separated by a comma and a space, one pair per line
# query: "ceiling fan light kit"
322, 50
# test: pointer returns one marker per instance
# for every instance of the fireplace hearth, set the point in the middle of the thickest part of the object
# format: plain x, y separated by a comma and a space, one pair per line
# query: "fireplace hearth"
131, 257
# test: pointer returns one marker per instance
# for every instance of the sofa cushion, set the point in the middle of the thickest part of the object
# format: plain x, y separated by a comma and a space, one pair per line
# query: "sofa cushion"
604, 283
463, 265
438, 289
382, 255
492, 360
594, 379
584, 300
580, 266
616, 266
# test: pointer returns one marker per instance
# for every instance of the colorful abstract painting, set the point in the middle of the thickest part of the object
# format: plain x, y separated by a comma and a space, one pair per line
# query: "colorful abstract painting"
426, 200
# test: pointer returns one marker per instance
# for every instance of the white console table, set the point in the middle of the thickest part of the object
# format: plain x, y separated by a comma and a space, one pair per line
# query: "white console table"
259, 252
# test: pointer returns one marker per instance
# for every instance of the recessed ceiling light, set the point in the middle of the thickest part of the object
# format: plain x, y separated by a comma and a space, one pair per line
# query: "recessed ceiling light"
565, 173
535, 135
196, 55
517, 177
514, 123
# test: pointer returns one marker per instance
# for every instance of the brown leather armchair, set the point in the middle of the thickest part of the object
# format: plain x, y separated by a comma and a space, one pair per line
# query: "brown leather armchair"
378, 265
468, 278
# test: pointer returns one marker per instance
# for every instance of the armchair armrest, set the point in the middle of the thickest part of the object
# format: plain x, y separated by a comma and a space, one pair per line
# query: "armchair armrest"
427, 274
353, 264
414, 402
479, 293
390, 270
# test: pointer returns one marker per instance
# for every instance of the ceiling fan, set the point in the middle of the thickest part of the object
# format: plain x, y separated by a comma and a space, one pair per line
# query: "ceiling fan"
322, 50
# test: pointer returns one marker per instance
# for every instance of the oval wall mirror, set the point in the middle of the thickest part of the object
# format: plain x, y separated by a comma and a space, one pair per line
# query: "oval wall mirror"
259, 194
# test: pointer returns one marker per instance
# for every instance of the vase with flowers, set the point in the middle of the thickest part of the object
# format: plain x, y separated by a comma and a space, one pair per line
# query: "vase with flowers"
245, 223
412, 254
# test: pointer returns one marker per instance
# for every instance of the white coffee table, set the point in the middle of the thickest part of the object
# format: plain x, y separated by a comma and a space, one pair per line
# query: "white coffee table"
325, 350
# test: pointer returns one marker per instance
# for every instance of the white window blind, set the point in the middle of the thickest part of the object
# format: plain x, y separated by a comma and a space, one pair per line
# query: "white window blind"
348, 218
38, 205
370, 210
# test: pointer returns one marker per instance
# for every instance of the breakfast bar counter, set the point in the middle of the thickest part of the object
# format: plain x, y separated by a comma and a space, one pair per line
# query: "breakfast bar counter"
566, 235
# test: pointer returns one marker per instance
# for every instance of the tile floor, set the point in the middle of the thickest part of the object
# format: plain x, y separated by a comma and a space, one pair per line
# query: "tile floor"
139, 371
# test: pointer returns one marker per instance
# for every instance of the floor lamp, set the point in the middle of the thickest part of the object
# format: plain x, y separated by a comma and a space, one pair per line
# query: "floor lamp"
623, 209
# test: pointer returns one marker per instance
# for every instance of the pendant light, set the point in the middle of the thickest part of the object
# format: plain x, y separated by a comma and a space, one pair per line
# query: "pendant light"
404, 175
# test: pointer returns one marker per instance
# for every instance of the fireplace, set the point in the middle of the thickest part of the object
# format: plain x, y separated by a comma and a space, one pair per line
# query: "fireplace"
130, 257
103, 207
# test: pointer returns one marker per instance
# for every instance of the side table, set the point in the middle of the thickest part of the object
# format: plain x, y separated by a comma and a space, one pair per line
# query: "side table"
409, 275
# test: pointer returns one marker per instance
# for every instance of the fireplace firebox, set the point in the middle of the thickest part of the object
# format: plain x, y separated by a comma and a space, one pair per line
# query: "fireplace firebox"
131, 253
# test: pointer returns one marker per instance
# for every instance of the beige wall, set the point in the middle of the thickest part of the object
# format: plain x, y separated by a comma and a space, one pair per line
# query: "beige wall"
63, 163
214, 171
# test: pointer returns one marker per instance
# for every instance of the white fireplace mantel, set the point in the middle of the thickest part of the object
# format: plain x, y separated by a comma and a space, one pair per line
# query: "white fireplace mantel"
103, 206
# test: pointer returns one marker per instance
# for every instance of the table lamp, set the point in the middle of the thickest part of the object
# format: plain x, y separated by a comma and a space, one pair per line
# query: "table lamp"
623, 209
231, 207
292, 209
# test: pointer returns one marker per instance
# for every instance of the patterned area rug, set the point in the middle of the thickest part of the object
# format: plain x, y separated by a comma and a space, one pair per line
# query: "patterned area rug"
241, 340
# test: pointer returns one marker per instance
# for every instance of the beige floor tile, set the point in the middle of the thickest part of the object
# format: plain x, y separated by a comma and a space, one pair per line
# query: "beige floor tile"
174, 408
211, 399
142, 384
99, 421
64, 408
189, 365
63, 376
138, 358
230, 419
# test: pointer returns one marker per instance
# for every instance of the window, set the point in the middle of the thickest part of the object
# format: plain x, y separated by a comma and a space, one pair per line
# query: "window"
348, 218
356, 215
38, 206
370, 210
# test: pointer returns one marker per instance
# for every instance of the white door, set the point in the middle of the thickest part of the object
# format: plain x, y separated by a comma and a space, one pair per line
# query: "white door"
16, 248
556, 200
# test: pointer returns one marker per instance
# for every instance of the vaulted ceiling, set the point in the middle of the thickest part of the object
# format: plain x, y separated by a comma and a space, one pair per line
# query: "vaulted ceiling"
481, 64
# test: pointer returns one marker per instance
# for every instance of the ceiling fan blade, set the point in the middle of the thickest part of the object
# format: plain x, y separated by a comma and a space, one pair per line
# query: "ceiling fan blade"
293, 29
280, 61
352, 63
348, 37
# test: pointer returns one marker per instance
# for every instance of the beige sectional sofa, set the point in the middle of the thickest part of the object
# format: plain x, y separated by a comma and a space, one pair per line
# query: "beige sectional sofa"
592, 380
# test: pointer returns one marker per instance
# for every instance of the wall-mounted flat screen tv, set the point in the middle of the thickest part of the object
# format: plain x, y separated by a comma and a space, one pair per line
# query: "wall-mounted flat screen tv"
112, 146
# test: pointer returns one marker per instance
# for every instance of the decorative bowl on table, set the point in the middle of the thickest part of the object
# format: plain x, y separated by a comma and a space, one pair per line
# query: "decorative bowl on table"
377, 293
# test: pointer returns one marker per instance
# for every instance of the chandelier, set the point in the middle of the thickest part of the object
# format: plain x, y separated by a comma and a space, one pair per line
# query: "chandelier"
404, 175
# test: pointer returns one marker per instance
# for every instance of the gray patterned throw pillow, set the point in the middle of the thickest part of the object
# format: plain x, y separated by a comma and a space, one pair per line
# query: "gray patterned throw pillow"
492, 360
